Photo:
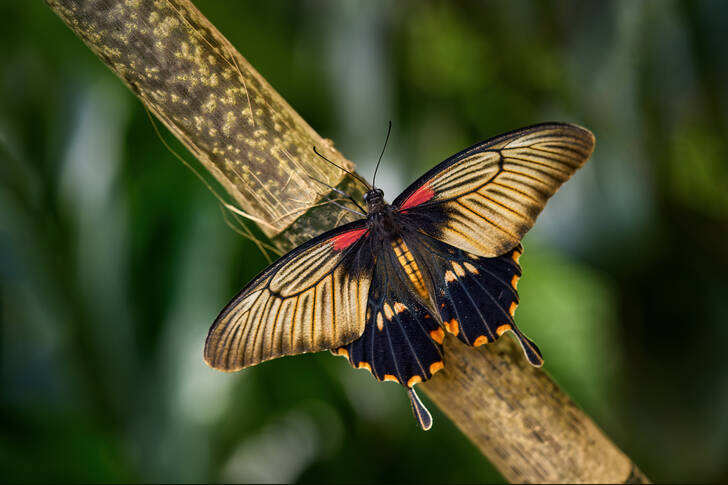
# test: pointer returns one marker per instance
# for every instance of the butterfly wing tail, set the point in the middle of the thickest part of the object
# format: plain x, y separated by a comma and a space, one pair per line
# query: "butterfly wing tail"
422, 415
530, 349
476, 296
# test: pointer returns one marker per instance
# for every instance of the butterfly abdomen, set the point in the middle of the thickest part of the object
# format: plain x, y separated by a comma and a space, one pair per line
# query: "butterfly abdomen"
410, 267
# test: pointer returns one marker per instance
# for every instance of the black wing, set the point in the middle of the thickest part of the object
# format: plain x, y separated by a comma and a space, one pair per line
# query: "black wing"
402, 340
314, 298
484, 199
476, 297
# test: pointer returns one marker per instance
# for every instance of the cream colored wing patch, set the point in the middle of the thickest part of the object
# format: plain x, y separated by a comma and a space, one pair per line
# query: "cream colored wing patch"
308, 301
492, 193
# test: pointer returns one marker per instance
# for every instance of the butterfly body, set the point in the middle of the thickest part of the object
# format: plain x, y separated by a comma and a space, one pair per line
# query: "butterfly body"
384, 290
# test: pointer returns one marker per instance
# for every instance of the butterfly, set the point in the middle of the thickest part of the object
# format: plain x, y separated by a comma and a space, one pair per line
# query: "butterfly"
384, 290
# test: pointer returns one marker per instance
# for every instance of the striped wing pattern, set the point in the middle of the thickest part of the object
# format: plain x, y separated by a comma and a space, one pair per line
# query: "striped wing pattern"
484, 199
312, 299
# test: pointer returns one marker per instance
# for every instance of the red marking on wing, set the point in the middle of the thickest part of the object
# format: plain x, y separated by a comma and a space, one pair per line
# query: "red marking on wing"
419, 196
346, 239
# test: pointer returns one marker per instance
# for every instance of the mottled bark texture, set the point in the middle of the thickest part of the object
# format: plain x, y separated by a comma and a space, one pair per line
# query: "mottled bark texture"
213, 100
522, 421
259, 149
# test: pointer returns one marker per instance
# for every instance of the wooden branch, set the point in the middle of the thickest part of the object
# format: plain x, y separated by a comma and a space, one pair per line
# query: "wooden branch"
522, 421
259, 149
213, 100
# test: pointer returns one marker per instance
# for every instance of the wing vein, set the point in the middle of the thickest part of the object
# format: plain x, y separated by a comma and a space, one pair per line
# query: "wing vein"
504, 231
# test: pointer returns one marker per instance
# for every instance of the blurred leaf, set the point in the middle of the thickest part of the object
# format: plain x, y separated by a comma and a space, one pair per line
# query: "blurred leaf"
698, 170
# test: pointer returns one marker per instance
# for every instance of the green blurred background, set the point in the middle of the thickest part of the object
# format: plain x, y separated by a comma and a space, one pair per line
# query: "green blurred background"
115, 259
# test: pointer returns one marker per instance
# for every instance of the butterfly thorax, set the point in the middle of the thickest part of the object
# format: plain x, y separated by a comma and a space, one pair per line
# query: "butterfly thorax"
386, 230
375, 201
381, 218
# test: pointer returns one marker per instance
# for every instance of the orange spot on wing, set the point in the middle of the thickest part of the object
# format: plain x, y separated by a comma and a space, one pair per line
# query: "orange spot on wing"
413, 380
436, 366
512, 309
480, 341
450, 276
502, 329
399, 307
458, 269
452, 327
388, 311
342, 351
514, 281
390, 377
516, 256
365, 365
437, 335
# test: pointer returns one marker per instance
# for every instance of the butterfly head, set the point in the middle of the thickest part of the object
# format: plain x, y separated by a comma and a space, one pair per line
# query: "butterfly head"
375, 200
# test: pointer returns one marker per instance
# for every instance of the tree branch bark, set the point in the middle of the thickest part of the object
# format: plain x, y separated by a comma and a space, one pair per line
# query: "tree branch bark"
259, 149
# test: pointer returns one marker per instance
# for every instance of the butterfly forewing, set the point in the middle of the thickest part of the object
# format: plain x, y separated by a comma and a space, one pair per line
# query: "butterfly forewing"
312, 299
485, 199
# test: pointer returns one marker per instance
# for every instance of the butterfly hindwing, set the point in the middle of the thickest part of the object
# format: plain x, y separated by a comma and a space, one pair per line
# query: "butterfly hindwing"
476, 297
485, 198
401, 341
312, 299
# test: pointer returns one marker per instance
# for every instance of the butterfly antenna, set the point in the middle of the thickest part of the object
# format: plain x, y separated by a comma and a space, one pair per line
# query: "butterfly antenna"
353, 174
340, 192
343, 207
389, 130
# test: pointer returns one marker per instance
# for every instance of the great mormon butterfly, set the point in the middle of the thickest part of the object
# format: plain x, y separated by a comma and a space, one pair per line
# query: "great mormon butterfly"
383, 290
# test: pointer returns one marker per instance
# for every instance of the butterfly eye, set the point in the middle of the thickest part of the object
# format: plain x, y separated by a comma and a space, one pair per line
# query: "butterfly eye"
373, 194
